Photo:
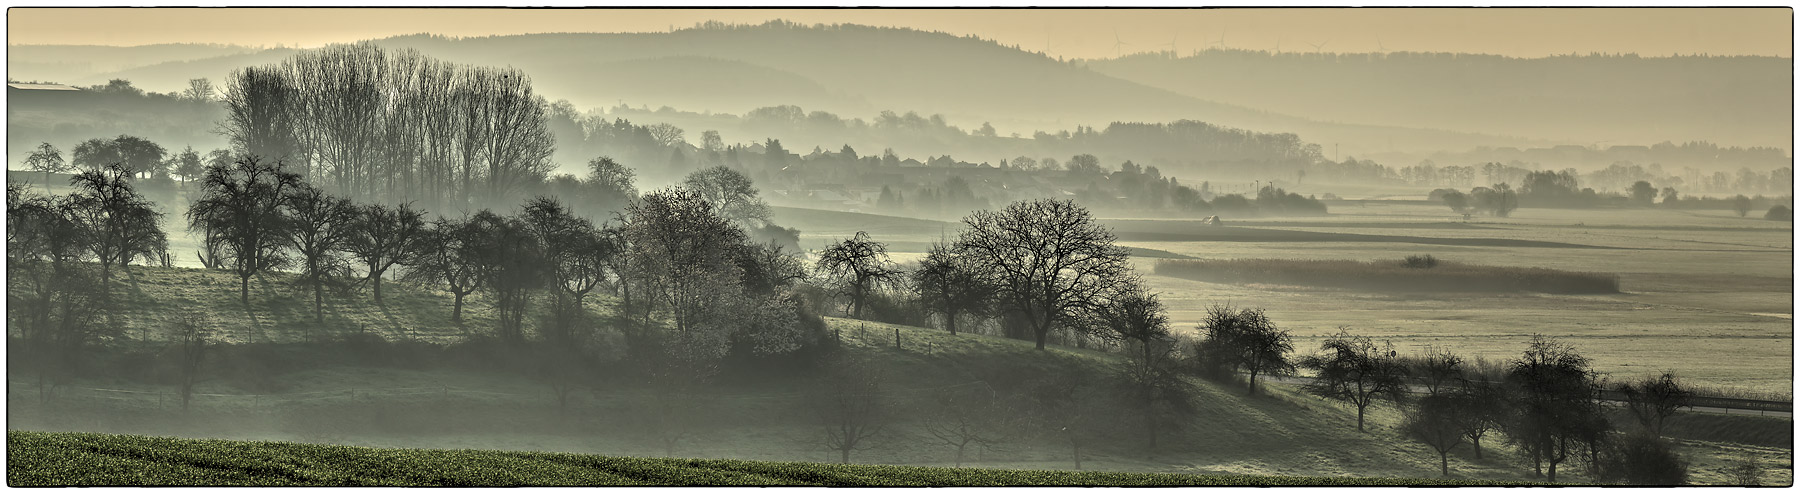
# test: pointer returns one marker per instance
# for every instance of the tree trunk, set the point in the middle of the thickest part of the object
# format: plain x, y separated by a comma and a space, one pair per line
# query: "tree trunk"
1476, 441
950, 321
959, 453
1252, 382
376, 278
1077, 445
1444, 463
1551, 477
244, 289
846, 455
1042, 334
456, 312
318, 301
1359, 417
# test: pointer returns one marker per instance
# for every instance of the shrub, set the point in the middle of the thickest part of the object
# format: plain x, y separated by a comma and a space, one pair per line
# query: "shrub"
1779, 213
1642, 459
1420, 262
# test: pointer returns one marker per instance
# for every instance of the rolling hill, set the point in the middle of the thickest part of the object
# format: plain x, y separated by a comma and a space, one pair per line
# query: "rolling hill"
1740, 101
862, 70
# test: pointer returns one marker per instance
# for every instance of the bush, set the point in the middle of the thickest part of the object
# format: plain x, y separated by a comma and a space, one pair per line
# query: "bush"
1779, 213
1420, 262
1641, 459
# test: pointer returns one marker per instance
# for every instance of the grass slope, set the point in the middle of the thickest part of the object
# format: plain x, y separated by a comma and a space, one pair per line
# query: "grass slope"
1281, 433
82, 459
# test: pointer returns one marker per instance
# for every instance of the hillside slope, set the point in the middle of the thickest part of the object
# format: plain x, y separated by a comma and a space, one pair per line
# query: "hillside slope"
328, 384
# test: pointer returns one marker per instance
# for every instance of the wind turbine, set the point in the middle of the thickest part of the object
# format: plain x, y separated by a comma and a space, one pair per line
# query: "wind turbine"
1380, 47
1320, 46
1278, 46
1221, 41
1118, 43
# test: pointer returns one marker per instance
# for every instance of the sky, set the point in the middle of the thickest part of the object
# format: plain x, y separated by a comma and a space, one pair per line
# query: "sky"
1068, 33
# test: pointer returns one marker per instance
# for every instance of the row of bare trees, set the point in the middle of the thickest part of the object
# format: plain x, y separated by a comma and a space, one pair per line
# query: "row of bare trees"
370, 123
60, 257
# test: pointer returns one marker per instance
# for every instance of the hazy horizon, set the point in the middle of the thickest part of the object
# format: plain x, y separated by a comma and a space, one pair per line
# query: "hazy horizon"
1067, 33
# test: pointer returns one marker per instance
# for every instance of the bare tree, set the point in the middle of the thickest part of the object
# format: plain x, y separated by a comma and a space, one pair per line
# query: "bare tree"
451, 256
517, 141
860, 267
1245, 340
731, 194
262, 113
198, 90
1437, 422
383, 237
1653, 400
1353, 369
950, 286
513, 266
667, 134
190, 337
46, 158
121, 224
52, 297
966, 416
240, 206
1438, 369
851, 406
1483, 410
1740, 204
318, 227
1048, 258
1554, 398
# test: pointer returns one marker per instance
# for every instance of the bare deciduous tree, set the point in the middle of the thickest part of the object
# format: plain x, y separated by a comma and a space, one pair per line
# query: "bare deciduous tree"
190, 337
318, 227
859, 266
121, 224
384, 237
851, 406
1653, 400
950, 286
1048, 259
1245, 340
1353, 369
240, 206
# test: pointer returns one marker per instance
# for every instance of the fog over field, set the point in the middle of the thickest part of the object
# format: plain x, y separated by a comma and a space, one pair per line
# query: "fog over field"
910, 243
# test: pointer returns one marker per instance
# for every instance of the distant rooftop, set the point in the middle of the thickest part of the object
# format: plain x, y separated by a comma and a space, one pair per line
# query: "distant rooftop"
43, 87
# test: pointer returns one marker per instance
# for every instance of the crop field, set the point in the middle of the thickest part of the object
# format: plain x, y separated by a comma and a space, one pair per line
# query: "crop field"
81, 459
1704, 293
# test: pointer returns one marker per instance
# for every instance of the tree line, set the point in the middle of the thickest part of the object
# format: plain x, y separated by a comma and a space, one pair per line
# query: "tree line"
393, 125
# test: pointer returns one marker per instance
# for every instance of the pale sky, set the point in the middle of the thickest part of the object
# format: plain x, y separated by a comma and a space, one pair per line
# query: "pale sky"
1071, 33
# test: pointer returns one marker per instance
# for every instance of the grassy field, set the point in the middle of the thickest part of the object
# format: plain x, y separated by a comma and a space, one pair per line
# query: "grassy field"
1704, 293
1690, 300
1283, 433
77, 459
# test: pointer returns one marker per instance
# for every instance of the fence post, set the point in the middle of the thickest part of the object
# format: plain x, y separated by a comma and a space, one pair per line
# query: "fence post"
896, 338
